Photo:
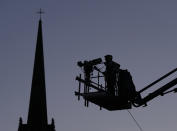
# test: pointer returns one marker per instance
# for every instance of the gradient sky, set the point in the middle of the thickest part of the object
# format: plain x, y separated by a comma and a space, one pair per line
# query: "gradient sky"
141, 36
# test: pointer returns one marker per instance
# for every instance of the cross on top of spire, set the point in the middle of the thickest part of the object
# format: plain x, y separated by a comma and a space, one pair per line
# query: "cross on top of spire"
40, 12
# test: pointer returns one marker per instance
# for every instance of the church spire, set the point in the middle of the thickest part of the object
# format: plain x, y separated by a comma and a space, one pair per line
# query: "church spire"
37, 115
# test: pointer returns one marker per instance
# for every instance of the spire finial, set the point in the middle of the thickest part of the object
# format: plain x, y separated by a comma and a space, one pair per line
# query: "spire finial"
40, 12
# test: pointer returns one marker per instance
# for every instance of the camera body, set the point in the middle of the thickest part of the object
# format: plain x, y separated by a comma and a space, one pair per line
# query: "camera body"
89, 63
88, 67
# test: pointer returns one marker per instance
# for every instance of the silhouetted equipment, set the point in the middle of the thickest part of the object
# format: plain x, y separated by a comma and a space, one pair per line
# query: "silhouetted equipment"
112, 88
88, 69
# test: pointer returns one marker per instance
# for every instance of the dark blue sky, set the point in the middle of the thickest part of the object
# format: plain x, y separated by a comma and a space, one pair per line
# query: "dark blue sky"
141, 35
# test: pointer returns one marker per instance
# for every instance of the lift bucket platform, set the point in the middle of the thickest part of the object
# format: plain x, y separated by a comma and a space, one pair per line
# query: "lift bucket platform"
107, 101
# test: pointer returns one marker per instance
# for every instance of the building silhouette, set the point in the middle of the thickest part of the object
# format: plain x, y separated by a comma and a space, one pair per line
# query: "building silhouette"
37, 114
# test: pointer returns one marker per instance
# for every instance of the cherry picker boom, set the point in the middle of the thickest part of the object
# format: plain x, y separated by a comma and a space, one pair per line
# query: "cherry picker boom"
112, 88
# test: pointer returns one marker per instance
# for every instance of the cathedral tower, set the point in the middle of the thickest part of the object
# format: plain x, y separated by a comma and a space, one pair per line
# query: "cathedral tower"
37, 114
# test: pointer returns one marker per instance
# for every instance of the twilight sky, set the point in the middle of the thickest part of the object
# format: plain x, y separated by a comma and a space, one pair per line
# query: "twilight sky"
141, 36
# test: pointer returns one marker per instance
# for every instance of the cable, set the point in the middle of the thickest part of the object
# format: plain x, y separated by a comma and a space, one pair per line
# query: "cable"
135, 121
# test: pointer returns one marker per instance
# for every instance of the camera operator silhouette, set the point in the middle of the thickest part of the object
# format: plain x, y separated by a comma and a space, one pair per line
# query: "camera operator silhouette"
111, 74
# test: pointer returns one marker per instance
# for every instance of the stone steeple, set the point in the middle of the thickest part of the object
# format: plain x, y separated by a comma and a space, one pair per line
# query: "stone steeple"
37, 115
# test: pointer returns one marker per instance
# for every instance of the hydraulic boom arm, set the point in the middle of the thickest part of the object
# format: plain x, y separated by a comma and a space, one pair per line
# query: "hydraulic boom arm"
160, 91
